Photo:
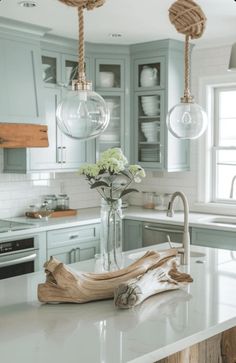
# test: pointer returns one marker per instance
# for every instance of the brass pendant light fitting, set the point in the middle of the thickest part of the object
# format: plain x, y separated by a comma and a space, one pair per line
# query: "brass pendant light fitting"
82, 114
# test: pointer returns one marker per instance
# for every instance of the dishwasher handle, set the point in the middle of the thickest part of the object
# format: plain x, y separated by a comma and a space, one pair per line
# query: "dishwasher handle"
19, 260
160, 229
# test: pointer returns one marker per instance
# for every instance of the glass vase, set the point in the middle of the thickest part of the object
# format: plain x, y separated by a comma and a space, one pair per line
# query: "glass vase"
111, 235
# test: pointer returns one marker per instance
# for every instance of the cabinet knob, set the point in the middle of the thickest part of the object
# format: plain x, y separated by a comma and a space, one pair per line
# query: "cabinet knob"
74, 236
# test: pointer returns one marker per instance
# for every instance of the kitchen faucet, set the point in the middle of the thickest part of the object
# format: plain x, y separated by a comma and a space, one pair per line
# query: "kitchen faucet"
185, 250
232, 187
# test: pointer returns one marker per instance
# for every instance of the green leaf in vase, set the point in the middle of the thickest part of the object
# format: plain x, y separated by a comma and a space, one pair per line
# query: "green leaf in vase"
125, 174
99, 184
126, 191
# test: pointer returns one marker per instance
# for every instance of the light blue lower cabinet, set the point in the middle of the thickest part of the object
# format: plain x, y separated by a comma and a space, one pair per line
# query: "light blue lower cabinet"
75, 252
74, 244
132, 234
213, 238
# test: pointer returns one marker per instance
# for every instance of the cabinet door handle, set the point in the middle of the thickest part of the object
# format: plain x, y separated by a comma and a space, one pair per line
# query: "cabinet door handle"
72, 255
157, 229
77, 254
74, 236
59, 155
19, 260
63, 154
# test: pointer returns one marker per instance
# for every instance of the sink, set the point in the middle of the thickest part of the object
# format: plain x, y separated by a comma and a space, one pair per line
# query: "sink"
136, 255
220, 220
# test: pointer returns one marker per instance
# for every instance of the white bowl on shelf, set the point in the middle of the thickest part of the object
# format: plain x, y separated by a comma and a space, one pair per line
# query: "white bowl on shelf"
107, 79
45, 69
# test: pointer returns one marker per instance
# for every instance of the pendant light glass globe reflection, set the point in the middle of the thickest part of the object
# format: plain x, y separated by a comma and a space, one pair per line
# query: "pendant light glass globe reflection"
187, 121
83, 115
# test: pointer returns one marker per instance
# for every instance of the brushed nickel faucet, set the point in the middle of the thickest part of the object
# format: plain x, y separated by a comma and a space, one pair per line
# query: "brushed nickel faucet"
232, 187
185, 250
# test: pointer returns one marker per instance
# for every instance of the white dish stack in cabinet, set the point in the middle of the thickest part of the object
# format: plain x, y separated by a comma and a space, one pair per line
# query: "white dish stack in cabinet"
157, 81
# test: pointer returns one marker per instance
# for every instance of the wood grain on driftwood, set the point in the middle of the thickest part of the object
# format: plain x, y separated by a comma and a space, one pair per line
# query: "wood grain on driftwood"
66, 285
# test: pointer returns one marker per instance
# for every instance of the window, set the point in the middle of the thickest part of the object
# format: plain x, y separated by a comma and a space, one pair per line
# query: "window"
224, 145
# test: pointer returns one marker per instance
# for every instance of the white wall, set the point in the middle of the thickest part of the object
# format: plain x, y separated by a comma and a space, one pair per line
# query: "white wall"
19, 191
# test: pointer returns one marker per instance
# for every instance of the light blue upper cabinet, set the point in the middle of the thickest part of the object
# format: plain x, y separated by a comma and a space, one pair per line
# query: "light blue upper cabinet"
111, 75
140, 83
157, 80
58, 67
21, 98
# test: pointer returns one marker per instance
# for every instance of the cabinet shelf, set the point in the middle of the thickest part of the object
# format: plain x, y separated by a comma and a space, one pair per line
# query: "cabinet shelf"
149, 143
114, 118
109, 142
148, 117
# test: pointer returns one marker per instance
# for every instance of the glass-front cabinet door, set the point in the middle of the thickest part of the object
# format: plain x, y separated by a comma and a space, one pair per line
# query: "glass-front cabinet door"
112, 136
109, 75
150, 128
150, 73
51, 68
70, 69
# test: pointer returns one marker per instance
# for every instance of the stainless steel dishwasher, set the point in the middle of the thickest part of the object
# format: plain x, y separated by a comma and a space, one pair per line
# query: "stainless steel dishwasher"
154, 233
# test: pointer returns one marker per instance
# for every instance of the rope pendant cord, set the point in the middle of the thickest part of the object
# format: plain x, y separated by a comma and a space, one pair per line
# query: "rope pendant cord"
188, 19
81, 83
187, 93
81, 74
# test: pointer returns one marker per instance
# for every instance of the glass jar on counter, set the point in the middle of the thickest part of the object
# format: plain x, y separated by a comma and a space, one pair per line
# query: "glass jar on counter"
161, 201
51, 201
63, 202
148, 200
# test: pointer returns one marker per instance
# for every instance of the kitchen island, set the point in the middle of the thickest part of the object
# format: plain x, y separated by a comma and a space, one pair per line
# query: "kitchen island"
99, 333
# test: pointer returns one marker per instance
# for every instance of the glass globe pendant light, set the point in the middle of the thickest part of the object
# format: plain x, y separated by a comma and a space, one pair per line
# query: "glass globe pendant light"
82, 114
187, 119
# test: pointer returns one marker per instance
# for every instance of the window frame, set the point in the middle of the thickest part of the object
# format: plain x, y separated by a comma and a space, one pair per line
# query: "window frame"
216, 142
204, 97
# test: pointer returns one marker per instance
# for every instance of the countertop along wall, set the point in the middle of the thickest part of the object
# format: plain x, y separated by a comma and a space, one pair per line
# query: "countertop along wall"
18, 191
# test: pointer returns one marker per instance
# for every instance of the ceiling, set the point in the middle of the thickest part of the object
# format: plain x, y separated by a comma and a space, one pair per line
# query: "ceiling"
137, 20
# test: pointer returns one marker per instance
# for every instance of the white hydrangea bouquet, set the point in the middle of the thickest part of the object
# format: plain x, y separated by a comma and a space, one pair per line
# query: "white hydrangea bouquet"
112, 177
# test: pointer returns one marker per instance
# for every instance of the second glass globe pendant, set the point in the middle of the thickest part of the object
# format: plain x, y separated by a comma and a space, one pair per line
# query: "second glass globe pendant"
82, 114
187, 120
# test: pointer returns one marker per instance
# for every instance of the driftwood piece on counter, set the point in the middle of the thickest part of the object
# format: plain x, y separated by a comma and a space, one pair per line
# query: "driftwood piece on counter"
14, 135
163, 278
66, 285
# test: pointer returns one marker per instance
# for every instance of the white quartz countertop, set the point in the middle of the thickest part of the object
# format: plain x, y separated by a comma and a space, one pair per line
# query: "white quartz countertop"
92, 215
97, 332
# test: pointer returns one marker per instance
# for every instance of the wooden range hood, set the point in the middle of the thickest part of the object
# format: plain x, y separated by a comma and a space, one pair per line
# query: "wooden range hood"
14, 135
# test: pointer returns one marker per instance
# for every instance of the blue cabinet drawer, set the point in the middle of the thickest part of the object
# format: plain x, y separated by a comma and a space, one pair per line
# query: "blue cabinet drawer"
65, 236
214, 238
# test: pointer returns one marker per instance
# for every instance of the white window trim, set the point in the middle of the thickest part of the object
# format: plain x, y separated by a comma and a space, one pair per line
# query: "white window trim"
206, 92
